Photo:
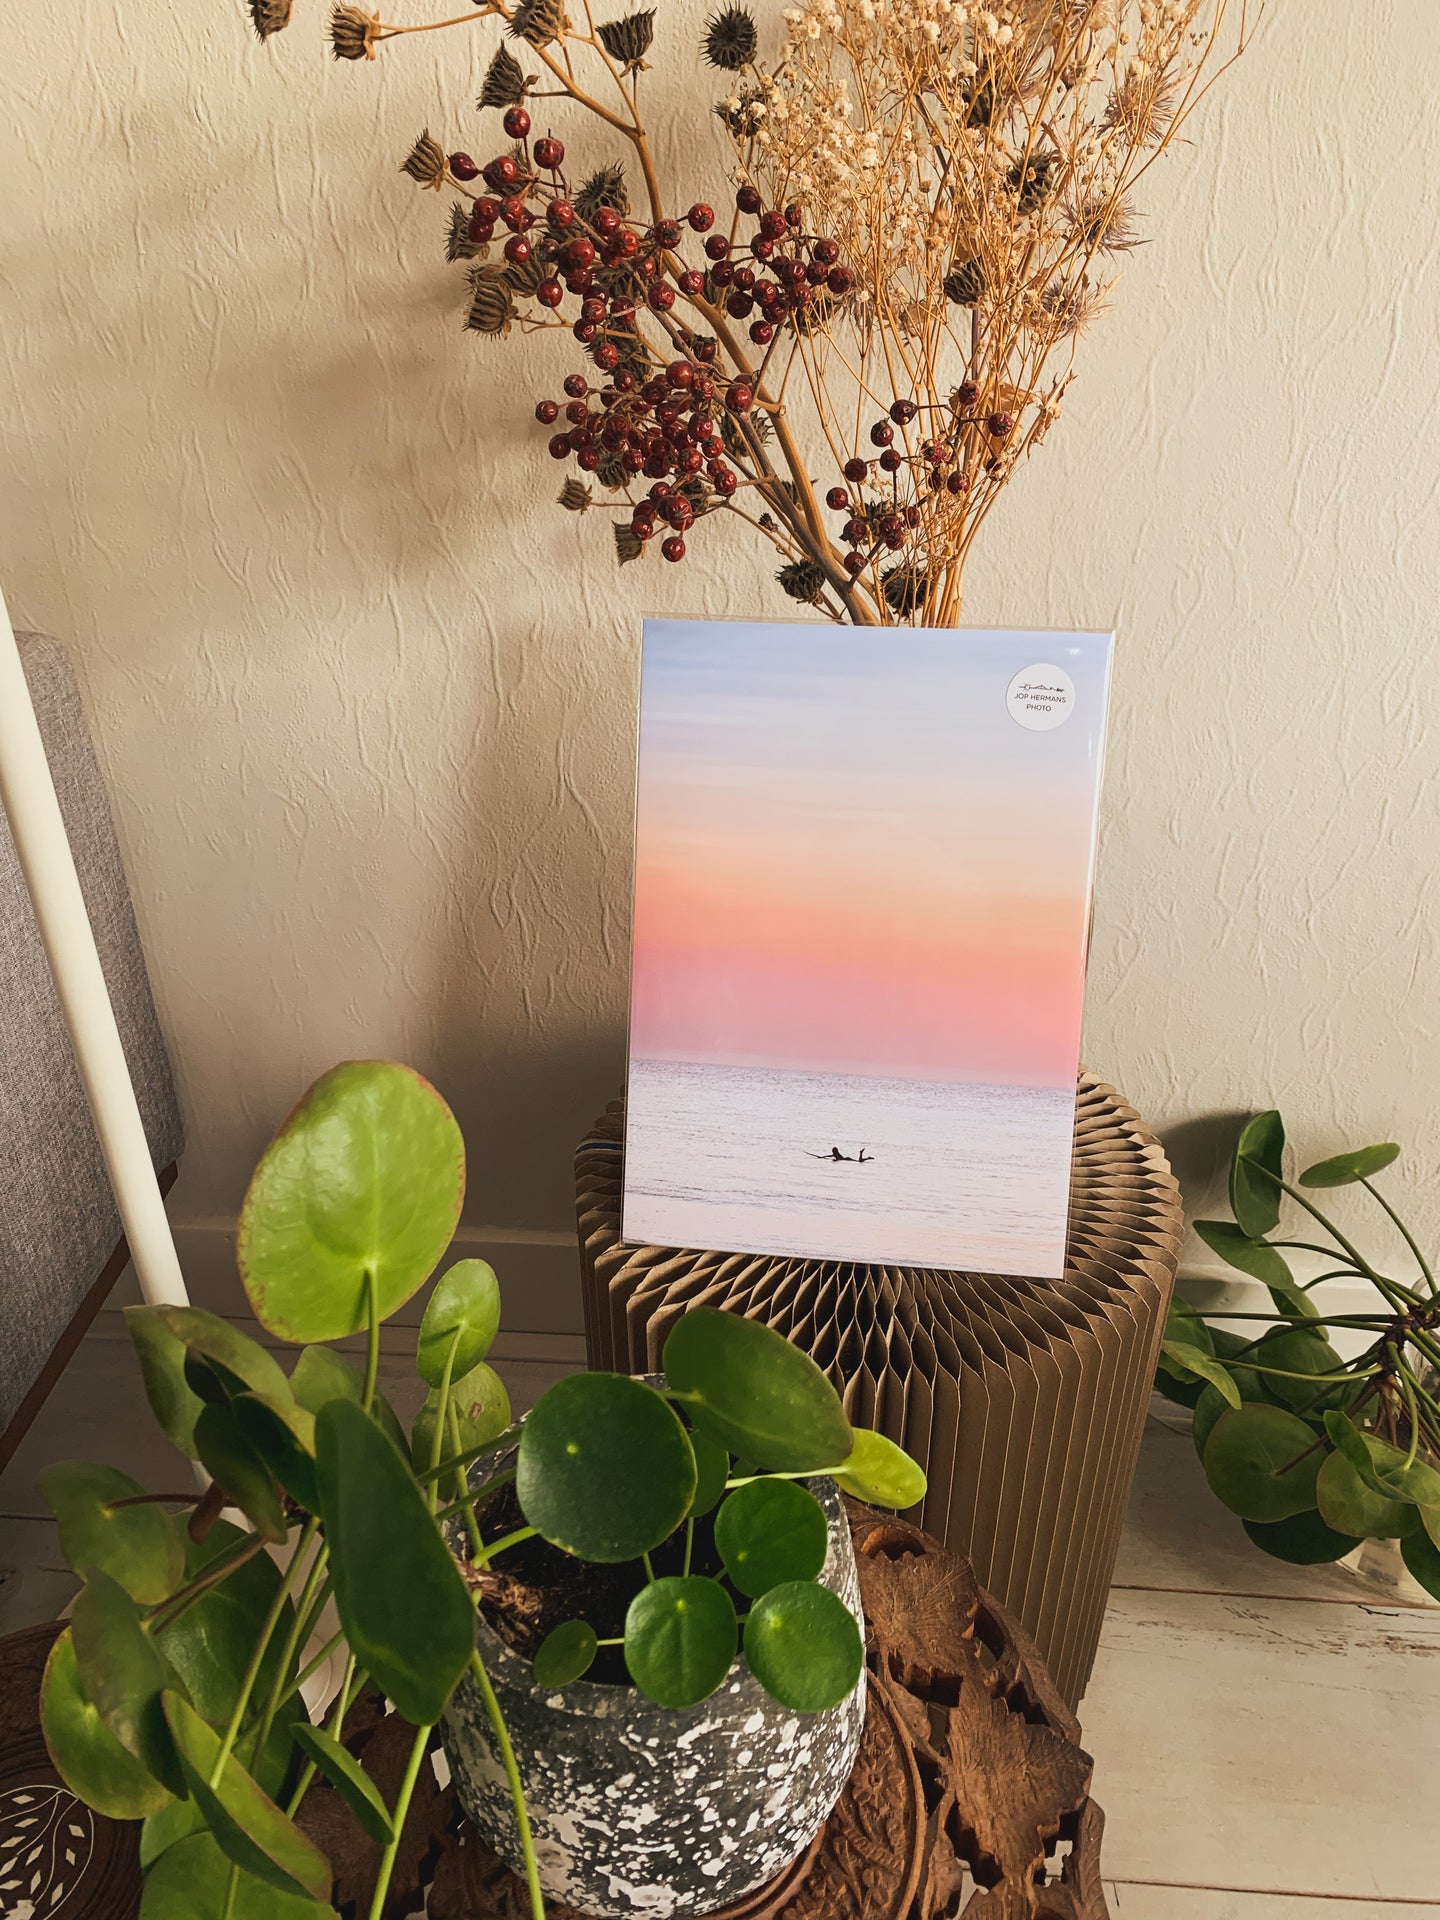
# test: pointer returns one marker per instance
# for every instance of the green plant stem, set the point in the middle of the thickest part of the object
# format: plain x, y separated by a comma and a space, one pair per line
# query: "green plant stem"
803, 1473
232, 1887
1402, 1374
485, 1554
649, 1570
314, 1665
442, 1416
402, 1808
466, 1455
258, 1652
1427, 1344
211, 1577
354, 1677
1409, 1238
372, 1341
689, 1546
1390, 1288
467, 1497
517, 1791
279, 1687
1317, 1379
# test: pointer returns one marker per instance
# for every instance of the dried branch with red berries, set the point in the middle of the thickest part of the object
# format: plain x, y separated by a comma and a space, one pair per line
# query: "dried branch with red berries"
927, 199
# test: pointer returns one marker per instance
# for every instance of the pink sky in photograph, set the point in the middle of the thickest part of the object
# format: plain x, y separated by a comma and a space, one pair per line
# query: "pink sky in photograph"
851, 859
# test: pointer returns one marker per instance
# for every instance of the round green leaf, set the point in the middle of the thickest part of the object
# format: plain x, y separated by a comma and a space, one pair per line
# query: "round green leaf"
321, 1374
605, 1469
565, 1653
803, 1646
770, 1532
233, 1360
757, 1394
1191, 1360
282, 1433
227, 1456
1304, 1539
1422, 1558
482, 1407
366, 1176
1263, 1462
250, 1828
466, 1302
712, 1470
1255, 1174
87, 1756
1254, 1257
880, 1472
191, 1881
350, 1781
211, 1642
680, 1639
162, 1369
399, 1594
124, 1674
1344, 1169
1349, 1506
141, 1547
1383, 1467
1298, 1350
161, 1830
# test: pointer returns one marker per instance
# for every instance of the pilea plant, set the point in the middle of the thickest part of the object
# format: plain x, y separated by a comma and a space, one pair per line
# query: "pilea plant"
1314, 1452
176, 1694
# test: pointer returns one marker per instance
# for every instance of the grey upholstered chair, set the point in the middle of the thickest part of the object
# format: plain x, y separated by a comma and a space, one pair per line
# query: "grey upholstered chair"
60, 1244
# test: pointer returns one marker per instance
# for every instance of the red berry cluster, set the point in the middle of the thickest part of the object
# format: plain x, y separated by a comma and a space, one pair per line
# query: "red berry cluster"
669, 425
778, 273
650, 418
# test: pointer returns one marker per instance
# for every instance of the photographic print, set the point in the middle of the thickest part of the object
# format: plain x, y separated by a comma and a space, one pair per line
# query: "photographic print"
862, 895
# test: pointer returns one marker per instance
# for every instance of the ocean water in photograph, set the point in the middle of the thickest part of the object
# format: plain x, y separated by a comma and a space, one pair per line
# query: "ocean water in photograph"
955, 1175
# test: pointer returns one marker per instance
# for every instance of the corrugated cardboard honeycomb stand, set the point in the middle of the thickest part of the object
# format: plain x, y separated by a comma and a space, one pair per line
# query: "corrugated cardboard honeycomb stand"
1023, 1399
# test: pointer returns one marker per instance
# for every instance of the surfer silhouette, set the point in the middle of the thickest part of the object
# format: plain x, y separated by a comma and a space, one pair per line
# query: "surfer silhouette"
864, 1159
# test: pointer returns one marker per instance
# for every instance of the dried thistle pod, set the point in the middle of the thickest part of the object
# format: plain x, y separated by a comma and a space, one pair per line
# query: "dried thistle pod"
605, 188
505, 84
492, 302
575, 496
628, 40
539, 21
526, 276
802, 580
611, 472
965, 283
904, 587
458, 244
741, 113
353, 33
269, 16
1030, 180
628, 544
731, 39
425, 162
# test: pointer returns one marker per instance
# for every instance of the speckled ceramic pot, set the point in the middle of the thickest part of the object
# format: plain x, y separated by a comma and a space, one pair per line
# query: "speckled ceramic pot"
636, 1809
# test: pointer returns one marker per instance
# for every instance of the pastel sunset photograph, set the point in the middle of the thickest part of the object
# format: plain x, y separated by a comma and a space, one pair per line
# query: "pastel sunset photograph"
862, 892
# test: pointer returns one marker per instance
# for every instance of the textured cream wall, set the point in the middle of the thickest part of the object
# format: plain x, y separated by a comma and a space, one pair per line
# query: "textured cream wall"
369, 723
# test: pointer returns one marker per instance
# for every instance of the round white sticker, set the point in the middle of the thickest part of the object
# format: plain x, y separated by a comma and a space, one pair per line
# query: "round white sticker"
1041, 697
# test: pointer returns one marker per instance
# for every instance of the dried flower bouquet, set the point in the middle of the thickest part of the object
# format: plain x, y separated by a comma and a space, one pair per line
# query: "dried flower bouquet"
928, 200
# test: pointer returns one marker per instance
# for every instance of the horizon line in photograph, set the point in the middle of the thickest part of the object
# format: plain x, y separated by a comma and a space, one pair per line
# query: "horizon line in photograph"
849, 1070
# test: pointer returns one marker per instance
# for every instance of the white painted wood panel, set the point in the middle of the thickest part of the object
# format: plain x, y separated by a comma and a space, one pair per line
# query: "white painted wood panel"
1271, 1743
1131, 1902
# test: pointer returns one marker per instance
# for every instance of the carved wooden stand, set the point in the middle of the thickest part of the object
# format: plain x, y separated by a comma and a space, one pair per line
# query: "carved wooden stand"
969, 1785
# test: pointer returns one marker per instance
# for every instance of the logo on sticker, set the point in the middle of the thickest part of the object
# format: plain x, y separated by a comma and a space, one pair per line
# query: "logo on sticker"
1041, 697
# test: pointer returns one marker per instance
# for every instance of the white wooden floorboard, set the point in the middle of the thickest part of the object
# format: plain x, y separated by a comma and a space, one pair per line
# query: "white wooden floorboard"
1178, 1536
1131, 1902
1268, 1743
